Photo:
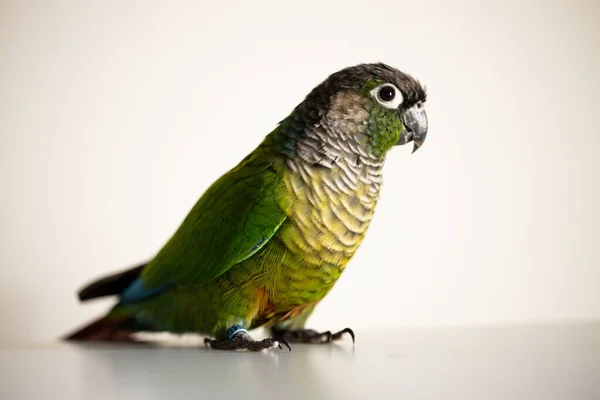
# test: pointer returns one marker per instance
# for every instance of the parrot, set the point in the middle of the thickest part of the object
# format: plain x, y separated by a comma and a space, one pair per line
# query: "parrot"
268, 239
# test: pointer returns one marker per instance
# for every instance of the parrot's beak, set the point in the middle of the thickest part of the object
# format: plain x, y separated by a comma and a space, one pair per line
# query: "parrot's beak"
415, 126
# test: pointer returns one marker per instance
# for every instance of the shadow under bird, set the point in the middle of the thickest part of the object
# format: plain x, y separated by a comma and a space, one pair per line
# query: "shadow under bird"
268, 240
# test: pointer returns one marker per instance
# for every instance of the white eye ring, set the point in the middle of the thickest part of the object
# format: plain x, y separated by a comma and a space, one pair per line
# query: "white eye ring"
391, 97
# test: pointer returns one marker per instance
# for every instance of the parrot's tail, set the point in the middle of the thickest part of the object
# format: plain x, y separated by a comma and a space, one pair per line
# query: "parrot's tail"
110, 285
116, 326
106, 329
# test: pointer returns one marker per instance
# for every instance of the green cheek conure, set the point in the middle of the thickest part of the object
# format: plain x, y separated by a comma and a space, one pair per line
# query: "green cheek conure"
269, 239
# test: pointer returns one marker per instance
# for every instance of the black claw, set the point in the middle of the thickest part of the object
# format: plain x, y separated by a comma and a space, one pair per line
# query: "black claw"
327, 335
347, 330
351, 332
285, 343
339, 335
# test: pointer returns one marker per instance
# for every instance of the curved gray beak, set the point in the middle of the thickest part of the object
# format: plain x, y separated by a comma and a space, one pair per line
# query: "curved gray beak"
415, 126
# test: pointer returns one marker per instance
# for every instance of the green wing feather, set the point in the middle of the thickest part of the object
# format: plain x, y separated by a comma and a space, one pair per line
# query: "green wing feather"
232, 220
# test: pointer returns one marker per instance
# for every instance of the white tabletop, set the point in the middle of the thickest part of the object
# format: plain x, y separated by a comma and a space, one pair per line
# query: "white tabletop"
528, 362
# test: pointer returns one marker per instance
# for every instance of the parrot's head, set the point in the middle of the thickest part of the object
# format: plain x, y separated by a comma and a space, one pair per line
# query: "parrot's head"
375, 104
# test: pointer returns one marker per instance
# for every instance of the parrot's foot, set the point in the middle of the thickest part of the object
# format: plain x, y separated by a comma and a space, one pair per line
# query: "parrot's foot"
239, 339
310, 336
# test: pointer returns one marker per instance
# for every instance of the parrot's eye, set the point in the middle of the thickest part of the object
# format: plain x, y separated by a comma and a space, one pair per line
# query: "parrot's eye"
387, 93
388, 96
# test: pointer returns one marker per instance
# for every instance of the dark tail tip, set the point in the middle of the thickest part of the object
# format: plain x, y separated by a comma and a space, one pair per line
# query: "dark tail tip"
110, 285
102, 330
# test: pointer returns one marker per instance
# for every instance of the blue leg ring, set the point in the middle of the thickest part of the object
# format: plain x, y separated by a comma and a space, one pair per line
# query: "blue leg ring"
234, 330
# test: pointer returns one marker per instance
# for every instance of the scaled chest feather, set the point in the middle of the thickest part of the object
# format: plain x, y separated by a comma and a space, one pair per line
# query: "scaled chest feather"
330, 208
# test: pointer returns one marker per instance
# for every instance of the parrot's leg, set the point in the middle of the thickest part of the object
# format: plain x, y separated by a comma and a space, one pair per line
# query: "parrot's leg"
293, 331
239, 339
310, 335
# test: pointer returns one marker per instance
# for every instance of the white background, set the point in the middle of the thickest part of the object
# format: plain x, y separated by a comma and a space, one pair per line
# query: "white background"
116, 116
